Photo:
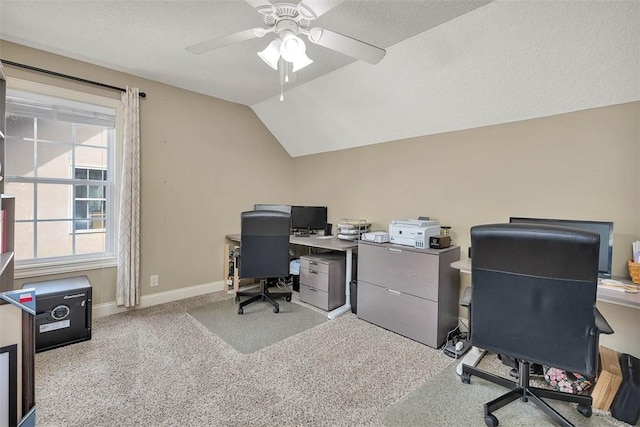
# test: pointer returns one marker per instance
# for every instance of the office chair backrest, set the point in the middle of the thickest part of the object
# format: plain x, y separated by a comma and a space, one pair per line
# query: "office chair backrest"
264, 244
534, 293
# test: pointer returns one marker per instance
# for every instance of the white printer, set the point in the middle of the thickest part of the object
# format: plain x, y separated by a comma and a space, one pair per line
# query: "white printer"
413, 232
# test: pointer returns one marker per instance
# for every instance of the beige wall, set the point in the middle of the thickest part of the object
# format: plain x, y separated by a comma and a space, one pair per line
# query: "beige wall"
582, 165
204, 160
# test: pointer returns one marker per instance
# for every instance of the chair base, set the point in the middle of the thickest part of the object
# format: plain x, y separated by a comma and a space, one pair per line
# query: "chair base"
262, 295
523, 391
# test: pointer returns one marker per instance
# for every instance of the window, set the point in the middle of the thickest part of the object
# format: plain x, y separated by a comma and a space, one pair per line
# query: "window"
90, 201
60, 166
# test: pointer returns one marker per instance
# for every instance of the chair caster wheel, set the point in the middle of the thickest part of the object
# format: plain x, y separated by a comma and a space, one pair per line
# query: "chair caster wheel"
237, 298
288, 298
240, 311
491, 421
585, 410
465, 378
276, 309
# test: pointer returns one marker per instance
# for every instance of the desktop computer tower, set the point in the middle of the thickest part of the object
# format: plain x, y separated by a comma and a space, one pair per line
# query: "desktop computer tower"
63, 312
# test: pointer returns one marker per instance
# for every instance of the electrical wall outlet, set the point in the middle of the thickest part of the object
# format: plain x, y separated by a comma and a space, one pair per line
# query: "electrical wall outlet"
154, 281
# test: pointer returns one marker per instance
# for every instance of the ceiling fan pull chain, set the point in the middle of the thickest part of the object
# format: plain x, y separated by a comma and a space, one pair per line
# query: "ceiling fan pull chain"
282, 71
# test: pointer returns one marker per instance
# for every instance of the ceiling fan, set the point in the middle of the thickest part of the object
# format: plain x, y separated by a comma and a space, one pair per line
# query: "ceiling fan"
288, 21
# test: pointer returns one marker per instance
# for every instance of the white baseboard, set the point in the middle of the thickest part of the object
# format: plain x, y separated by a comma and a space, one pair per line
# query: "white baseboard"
108, 308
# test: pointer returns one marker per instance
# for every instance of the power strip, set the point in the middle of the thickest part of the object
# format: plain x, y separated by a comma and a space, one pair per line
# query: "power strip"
456, 350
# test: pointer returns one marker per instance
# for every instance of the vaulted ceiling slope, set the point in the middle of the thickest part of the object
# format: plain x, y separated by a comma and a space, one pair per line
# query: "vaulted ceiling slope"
149, 38
503, 62
450, 64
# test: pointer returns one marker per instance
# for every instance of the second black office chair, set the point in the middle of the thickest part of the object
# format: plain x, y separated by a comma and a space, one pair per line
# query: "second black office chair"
533, 297
264, 254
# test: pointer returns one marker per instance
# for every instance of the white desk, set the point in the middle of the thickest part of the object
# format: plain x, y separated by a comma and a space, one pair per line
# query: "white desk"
605, 294
331, 243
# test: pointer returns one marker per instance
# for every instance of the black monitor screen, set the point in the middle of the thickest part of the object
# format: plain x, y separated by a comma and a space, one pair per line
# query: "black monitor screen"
308, 217
603, 228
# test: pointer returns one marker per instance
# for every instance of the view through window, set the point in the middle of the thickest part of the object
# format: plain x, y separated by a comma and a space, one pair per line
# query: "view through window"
59, 166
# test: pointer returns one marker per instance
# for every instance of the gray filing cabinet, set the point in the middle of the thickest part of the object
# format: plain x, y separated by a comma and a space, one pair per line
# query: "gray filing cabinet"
410, 291
322, 279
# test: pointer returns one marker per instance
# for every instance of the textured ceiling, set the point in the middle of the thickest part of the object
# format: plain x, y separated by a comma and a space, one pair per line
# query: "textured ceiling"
148, 38
503, 62
450, 64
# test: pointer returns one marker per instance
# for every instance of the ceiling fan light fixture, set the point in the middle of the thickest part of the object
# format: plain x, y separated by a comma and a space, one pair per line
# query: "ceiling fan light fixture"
271, 54
301, 62
292, 47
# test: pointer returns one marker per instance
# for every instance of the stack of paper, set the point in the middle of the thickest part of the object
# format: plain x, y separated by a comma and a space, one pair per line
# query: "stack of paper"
352, 229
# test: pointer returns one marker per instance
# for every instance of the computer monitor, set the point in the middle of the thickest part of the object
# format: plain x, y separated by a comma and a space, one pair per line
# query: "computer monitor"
308, 217
272, 207
603, 228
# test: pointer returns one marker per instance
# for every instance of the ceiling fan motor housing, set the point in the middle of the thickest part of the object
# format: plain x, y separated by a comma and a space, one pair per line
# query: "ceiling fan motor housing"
286, 12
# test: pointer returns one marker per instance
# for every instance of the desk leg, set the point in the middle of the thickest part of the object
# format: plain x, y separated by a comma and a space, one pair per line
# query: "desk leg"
472, 358
347, 305
236, 277
225, 266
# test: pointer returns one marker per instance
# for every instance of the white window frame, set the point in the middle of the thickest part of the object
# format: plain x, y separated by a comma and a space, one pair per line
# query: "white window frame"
74, 199
41, 267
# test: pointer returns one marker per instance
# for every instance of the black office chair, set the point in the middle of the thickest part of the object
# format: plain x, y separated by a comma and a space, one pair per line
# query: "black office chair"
533, 298
264, 253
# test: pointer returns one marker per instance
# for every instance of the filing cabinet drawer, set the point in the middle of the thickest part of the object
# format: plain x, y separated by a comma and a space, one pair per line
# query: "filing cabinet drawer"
401, 269
314, 297
315, 263
405, 314
314, 278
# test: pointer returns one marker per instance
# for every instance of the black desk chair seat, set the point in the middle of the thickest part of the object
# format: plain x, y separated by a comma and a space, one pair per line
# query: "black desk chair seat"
533, 297
264, 254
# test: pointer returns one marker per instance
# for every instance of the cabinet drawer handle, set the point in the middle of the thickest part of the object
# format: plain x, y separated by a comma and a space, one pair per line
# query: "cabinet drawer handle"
313, 272
313, 263
394, 250
392, 292
313, 289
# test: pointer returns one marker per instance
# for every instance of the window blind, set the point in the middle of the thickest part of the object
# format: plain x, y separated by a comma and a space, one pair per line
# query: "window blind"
90, 115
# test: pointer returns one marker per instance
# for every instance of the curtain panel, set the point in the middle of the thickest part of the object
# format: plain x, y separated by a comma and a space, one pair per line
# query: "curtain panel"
128, 283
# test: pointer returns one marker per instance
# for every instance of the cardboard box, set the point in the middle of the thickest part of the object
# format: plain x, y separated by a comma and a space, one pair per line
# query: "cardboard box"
609, 379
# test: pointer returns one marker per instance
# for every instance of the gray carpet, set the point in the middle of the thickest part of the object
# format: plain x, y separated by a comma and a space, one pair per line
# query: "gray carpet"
259, 326
445, 400
159, 366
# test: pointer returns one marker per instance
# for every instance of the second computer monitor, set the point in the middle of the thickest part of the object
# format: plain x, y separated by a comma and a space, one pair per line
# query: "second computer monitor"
308, 217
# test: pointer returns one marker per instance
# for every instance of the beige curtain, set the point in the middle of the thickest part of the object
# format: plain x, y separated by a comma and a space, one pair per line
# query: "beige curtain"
128, 285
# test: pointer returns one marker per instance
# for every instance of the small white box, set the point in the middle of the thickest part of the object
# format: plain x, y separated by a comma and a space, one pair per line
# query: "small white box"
376, 236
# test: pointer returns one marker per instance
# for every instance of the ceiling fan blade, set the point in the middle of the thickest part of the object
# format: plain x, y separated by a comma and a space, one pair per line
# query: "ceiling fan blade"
347, 45
311, 9
262, 6
212, 44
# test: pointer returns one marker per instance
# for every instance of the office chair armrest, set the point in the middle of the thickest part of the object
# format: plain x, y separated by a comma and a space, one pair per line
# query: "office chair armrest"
601, 323
465, 301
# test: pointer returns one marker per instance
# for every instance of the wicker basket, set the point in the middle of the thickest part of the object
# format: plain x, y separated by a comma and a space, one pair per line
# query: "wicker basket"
634, 271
